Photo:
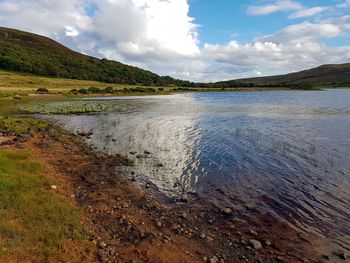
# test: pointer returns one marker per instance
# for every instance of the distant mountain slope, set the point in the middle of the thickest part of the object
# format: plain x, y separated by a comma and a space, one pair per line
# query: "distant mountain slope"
30, 53
326, 74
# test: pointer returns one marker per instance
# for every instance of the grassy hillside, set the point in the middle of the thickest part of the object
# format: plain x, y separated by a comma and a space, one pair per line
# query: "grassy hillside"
324, 75
23, 52
30, 53
11, 82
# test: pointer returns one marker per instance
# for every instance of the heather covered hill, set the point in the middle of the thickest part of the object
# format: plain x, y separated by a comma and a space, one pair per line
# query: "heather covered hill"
30, 53
323, 75
38, 55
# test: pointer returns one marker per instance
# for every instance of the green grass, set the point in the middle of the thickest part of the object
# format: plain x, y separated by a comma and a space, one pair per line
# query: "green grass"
24, 84
22, 125
34, 222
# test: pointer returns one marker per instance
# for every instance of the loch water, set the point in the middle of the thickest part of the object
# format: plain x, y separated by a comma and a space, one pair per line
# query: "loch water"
283, 152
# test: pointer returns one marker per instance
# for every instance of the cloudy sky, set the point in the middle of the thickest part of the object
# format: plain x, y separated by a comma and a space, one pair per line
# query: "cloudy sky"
199, 40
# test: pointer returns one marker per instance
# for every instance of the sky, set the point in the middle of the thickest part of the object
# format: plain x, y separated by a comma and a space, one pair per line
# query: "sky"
197, 40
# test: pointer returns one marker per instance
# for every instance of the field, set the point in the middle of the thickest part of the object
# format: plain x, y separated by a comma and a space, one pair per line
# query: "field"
15, 83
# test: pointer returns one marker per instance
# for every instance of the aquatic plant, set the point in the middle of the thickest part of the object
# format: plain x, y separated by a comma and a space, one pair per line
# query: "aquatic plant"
67, 107
76, 107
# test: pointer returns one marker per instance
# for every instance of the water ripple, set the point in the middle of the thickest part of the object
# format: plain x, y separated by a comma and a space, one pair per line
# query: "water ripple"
285, 153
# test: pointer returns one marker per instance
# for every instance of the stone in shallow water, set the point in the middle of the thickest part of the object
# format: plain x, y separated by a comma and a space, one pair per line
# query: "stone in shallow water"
341, 254
184, 198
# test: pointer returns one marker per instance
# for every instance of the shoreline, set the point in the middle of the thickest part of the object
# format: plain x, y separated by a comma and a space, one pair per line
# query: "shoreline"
128, 223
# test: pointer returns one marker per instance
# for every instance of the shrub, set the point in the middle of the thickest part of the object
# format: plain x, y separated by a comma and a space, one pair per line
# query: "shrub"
83, 91
108, 90
42, 91
94, 90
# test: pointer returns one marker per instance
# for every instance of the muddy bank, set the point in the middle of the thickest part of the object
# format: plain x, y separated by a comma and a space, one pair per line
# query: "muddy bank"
127, 224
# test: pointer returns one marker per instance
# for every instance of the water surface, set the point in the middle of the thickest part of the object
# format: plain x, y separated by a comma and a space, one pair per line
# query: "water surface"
284, 152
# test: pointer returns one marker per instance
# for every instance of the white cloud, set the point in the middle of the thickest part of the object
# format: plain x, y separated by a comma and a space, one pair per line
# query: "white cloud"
294, 48
71, 31
277, 6
159, 35
304, 32
345, 4
309, 12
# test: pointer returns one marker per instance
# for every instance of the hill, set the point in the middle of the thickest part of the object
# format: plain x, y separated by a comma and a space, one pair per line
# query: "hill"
25, 52
30, 53
332, 75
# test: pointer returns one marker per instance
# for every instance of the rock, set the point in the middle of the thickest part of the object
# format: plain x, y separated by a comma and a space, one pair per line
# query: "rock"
184, 198
85, 134
53, 187
183, 215
102, 244
209, 239
341, 254
17, 97
267, 243
326, 257
159, 224
203, 236
227, 211
175, 227
252, 232
133, 153
256, 244
43, 145
213, 259
146, 152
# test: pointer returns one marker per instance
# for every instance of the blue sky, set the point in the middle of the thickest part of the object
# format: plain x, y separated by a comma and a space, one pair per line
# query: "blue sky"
199, 40
225, 20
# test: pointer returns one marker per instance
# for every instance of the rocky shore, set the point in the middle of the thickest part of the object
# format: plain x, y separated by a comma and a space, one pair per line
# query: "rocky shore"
128, 224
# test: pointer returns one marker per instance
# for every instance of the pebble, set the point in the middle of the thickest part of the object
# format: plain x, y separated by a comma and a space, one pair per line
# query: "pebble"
341, 254
175, 227
184, 198
203, 236
53, 187
214, 259
252, 232
159, 224
326, 257
227, 211
267, 243
256, 244
183, 215
209, 239
102, 245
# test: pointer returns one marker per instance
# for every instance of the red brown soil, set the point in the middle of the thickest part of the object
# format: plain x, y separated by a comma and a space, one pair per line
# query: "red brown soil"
127, 224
